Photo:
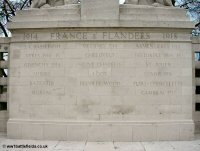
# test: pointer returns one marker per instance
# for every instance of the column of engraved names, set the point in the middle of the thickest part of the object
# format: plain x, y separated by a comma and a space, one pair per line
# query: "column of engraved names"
100, 59
161, 75
43, 64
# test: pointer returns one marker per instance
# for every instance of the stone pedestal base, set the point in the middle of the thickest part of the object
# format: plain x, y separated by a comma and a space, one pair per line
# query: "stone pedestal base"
101, 131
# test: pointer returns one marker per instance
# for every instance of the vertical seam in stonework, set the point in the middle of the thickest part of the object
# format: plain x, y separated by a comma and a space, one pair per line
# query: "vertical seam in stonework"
43, 131
132, 133
66, 133
179, 135
21, 131
157, 132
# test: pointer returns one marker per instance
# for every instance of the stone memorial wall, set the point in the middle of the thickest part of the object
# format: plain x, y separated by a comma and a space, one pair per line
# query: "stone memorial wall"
101, 80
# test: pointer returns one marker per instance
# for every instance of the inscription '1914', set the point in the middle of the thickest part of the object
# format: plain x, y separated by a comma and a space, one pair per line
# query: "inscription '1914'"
30, 36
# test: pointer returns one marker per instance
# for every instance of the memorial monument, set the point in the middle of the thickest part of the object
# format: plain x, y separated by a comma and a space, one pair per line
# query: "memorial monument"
100, 71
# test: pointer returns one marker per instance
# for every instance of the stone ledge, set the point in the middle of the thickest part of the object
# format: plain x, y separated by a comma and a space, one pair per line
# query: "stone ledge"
69, 24
62, 24
4, 40
195, 40
198, 98
152, 17
3, 97
3, 81
4, 64
101, 131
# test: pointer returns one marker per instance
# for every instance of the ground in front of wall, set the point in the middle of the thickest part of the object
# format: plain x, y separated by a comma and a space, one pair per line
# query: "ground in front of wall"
38, 145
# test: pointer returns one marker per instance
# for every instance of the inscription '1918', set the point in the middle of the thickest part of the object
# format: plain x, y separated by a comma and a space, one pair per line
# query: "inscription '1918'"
170, 36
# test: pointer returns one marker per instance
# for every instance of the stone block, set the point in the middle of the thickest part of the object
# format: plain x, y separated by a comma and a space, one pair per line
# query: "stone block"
186, 131
32, 131
168, 132
122, 133
101, 132
14, 130
77, 132
55, 132
146, 132
3, 125
100, 10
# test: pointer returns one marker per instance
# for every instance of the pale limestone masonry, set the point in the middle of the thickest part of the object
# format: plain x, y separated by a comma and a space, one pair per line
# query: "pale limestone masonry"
99, 10
77, 77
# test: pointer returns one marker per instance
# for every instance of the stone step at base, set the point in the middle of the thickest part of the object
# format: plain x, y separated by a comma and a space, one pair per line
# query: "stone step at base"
197, 127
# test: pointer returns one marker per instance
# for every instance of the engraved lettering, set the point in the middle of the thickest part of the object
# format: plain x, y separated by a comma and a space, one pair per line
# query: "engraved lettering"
100, 64
41, 74
157, 83
157, 74
69, 36
42, 83
99, 55
30, 36
125, 35
36, 65
152, 92
40, 92
170, 36
100, 83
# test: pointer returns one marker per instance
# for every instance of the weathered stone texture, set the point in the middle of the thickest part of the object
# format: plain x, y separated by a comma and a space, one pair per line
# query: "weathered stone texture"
101, 81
